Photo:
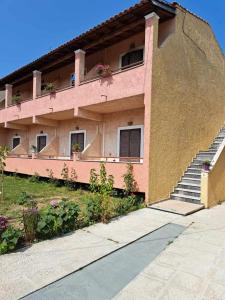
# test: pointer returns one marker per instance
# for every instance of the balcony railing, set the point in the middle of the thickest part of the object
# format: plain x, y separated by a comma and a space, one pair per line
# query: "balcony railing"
114, 71
42, 166
124, 83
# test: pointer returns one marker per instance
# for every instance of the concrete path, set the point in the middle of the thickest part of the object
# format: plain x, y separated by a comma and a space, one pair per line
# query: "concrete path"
193, 267
106, 277
30, 269
177, 207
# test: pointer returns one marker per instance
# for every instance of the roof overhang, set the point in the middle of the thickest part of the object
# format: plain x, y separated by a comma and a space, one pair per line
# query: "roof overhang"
117, 28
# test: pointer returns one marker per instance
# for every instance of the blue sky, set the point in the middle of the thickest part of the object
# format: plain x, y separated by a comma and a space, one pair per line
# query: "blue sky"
30, 28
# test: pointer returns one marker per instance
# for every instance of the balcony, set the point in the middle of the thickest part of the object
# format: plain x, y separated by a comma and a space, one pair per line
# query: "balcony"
122, 84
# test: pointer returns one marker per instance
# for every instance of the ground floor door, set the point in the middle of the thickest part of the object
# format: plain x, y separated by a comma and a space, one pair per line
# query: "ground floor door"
41, 142
77, 138
15, 142
130, 143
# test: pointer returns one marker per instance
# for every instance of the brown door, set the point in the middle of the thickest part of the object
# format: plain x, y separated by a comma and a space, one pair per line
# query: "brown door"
41, 142
77, 138
130, 143
16, 142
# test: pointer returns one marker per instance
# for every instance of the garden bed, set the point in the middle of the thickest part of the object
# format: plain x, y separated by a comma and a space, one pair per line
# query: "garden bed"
36, 209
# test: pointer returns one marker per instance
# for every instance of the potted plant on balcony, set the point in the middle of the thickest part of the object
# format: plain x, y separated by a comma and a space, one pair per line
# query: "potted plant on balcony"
103, 70
49, 87
76, 151
33, 151
16, 99
206, 165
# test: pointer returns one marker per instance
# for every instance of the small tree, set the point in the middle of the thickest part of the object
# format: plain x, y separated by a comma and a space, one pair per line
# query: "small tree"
69, 179
129, 180
3, 154
102, 185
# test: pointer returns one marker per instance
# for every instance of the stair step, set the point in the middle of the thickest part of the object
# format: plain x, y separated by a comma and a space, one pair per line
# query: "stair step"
194, 170
192, 175
199, 161
191, 180
191, 186
191, 199
206, 153
187, 192
196, 165
214, 148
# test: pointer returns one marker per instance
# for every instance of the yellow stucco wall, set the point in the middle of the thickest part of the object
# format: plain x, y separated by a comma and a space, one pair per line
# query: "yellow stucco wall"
213, 183
188, 101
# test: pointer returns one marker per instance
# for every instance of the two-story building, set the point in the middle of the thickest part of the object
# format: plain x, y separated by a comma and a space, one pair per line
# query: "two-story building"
146, 87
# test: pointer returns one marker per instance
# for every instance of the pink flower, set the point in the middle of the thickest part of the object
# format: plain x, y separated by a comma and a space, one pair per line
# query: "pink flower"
54, 203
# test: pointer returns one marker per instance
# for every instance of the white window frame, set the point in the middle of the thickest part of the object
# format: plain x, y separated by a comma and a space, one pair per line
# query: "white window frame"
131, 50
42, 134
77, 131
15, 137
127, 128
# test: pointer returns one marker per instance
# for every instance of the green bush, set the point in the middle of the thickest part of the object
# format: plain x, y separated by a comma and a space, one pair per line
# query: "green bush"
58, 219
124, 205
26, 200
34, 178
93, 209
102, 186
130, 185
10, 239
30, 222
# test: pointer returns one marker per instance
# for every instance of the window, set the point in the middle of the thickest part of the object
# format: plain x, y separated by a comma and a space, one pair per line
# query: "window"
132, 57
130, 142
41, 142
15, 142
77, 137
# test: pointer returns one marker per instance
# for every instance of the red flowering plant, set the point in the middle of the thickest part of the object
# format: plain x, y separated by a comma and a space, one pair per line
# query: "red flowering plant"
103, 70
3, 223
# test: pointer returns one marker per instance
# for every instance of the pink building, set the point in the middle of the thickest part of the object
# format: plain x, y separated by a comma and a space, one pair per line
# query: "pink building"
65, 98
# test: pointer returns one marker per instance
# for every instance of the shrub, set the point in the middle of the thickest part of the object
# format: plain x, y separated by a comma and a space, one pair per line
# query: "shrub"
93, 209
35, 177
102, 185
129, 180
69, 181
93, 181
30, 221
125, 205
26, 200
10, 239
58, 220
54, 181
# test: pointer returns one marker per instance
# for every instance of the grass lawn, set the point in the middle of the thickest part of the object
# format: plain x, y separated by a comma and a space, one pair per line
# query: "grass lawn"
42, 191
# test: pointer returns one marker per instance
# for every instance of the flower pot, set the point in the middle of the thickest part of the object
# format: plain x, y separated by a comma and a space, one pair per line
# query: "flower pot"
76, 156
206, 167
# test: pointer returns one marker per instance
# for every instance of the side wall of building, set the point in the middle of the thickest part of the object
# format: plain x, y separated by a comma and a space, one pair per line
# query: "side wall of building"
188, 100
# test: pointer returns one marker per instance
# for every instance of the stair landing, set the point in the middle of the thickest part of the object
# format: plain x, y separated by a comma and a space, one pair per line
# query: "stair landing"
177, 207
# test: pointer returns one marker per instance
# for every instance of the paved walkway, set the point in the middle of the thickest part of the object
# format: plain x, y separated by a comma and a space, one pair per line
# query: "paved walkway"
105, 278
192, 267
30, 269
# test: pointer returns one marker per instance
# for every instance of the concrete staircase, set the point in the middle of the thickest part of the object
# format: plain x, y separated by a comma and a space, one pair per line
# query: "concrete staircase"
188, 188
